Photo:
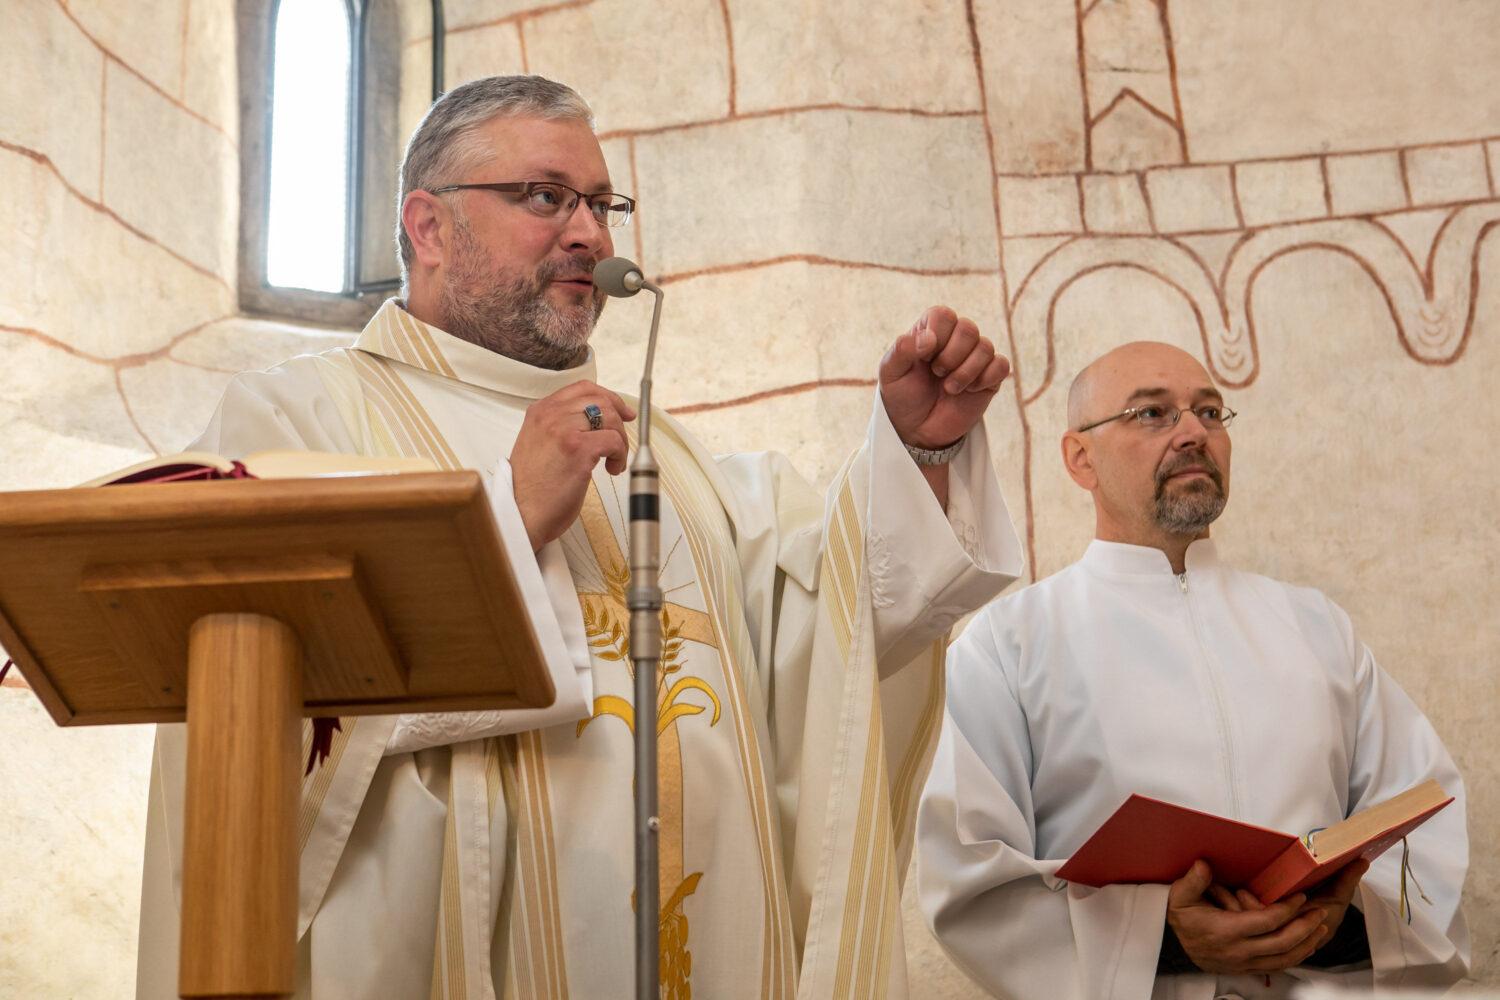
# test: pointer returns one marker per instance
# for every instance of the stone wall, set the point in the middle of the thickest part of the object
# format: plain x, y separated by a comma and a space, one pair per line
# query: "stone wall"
1299, 196
119, 324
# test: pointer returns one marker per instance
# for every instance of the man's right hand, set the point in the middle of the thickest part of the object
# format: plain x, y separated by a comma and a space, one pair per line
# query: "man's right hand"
555, 454
1277, 937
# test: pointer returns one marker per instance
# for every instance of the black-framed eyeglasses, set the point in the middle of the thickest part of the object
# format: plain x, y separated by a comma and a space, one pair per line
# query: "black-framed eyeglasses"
1158, 417
551, 200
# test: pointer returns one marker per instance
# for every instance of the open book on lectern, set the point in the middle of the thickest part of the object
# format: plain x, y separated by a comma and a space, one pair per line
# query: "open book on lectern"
548, 594
192, 466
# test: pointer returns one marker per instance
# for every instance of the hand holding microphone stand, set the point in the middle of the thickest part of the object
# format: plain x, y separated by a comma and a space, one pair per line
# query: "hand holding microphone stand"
621, 278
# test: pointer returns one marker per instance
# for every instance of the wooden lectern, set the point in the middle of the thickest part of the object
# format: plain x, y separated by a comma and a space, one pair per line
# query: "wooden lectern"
243, 606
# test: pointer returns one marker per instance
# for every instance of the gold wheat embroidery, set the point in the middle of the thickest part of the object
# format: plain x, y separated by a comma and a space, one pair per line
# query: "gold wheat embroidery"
605, 622
607, 638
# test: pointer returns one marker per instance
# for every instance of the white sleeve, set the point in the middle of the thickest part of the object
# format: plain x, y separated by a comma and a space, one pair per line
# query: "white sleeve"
928, 569
548, 591
284, 408
1395, 748
999, 912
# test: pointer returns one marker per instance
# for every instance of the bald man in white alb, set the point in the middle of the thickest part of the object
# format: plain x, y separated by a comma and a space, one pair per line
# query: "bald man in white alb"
1152, 666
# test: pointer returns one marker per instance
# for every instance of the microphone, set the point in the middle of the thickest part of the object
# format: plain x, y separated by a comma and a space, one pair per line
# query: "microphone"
621, 278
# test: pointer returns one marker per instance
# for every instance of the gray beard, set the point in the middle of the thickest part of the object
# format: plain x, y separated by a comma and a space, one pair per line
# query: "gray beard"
1188, 514
511, 315
1195, 505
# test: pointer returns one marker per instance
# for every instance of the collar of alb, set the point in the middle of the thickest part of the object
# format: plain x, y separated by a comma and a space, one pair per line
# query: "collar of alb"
1123, 559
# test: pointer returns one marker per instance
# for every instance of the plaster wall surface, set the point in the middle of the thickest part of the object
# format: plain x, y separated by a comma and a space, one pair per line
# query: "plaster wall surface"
1304, 199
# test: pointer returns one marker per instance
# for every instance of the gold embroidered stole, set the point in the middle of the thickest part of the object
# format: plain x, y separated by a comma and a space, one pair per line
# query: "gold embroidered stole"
386, 418
393, 420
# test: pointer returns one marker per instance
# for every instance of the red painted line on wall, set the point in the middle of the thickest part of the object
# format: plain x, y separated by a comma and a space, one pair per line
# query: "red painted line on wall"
635, 180
187, 17
1083, 82
1171, 46
808, 258
516, 17
786, 111
103, 120
1285, 158
977, 52
125, 360
765, 394
109, 54
105, 210
130, 415
729, 50
1128, 93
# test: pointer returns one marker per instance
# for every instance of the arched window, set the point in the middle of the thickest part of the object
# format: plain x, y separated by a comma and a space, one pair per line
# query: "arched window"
307, 212
332, 89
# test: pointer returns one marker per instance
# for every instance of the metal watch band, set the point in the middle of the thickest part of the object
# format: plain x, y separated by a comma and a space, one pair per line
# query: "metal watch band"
934, 456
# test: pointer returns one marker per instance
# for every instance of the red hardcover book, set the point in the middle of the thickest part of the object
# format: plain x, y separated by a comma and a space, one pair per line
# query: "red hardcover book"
1148, 840
192, 466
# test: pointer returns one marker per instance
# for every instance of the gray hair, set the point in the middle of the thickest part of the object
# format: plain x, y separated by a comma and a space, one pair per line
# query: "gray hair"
447, 139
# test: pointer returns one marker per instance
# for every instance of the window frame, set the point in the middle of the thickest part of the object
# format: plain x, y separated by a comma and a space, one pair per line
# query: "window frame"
358, 301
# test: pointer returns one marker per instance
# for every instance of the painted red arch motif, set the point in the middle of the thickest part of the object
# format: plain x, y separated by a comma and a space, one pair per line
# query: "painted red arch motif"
1432, 304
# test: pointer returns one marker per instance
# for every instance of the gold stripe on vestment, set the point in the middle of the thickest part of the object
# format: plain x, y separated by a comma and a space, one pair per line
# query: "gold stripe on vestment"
914, 764
866, 903
389, 395
845, 559
492, 784
379, 405
520, 980
428, 441
855, 891
877, 887
699, 507
449, 960
540, 931
534, 765
543, 921
424, 350
315, 786
890, 926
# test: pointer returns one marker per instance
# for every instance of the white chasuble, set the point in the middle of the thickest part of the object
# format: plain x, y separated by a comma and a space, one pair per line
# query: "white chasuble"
1217, 689
475, 855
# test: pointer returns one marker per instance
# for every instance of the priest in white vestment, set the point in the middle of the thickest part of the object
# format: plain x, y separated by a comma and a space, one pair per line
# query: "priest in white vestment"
489, 855
1152, 666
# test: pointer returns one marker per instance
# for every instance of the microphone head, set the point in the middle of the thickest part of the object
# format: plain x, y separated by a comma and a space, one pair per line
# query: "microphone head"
618, 276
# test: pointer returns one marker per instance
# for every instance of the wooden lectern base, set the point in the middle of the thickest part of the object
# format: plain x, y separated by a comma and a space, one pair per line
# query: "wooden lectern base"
346, 595
239, 866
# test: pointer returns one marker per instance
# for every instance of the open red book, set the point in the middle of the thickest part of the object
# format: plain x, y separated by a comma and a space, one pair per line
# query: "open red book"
190, 466
1148, 840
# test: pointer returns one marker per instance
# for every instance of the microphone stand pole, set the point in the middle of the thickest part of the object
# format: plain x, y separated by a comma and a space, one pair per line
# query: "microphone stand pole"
645, 603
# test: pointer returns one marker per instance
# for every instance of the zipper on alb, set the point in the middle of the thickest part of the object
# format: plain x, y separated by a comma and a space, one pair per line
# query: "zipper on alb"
1220, 700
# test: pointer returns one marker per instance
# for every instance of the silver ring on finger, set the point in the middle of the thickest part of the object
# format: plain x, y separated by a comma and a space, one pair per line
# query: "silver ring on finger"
595, 415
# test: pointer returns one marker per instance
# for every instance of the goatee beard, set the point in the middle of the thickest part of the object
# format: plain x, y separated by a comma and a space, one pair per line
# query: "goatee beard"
510, 315
1196, 504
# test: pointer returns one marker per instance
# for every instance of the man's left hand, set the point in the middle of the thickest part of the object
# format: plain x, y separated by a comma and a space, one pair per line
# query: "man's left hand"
1332, 897
938, 378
